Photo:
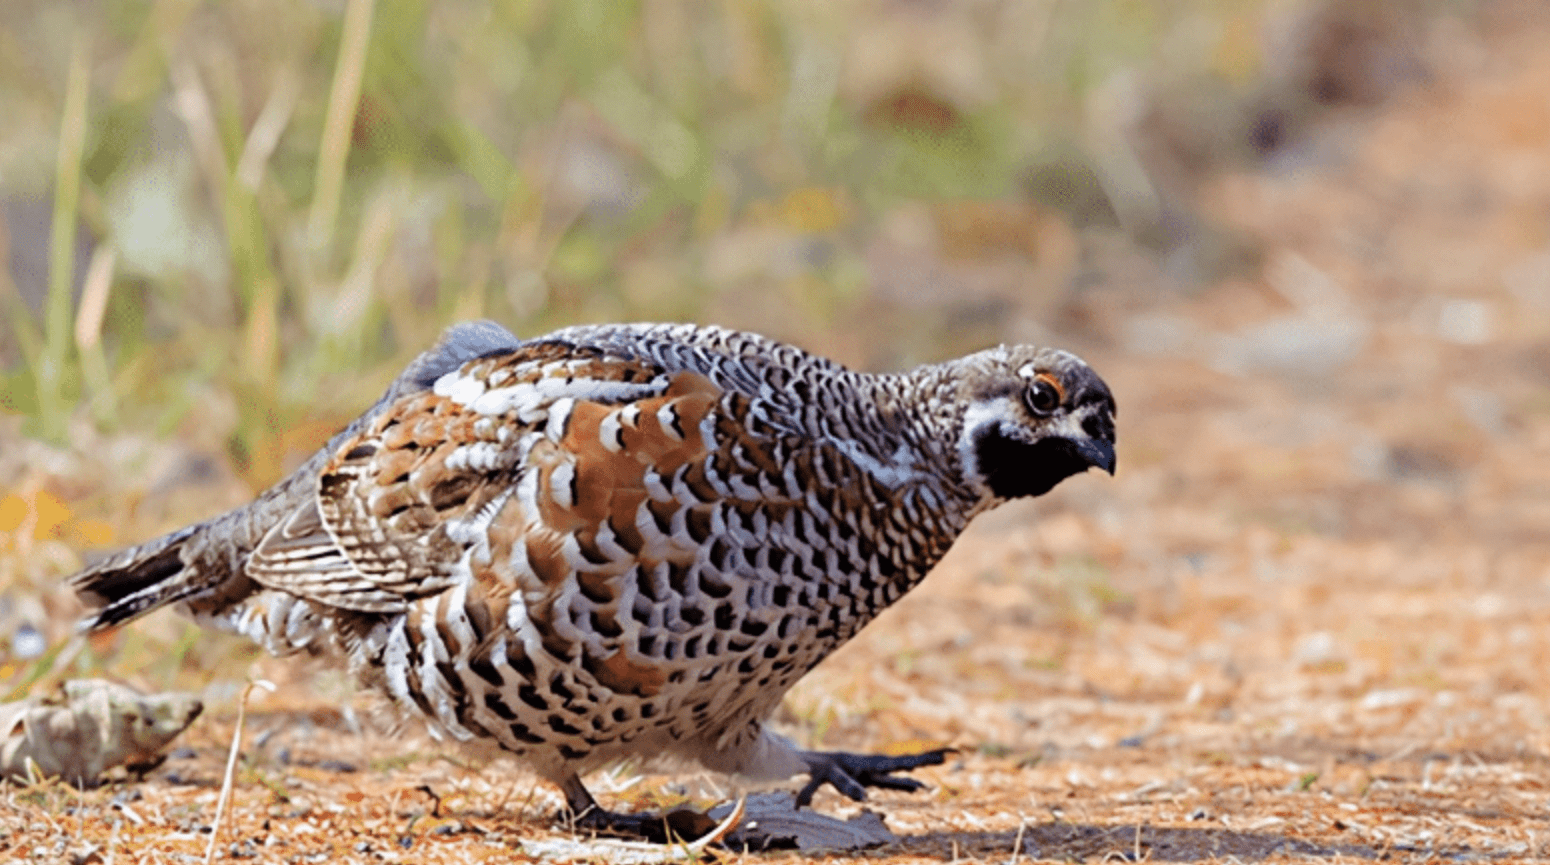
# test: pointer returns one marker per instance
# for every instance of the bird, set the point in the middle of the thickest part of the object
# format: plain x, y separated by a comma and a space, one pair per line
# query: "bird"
623, 540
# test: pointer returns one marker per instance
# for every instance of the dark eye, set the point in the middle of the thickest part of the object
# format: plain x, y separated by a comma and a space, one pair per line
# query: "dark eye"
1042, 398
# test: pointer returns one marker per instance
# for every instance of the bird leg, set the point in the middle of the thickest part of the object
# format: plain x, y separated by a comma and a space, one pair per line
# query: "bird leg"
582, 812
851, 774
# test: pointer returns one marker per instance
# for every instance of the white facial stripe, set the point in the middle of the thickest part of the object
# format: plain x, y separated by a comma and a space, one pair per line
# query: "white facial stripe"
980, 416
990, 414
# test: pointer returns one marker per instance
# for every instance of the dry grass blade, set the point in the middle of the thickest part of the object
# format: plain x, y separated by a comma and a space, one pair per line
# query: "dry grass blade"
192, 101
342, 99
264, 137
94, 298
231, 765
88, 329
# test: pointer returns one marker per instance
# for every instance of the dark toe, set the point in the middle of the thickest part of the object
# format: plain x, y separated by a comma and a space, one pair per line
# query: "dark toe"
880, 764
850, 774
893, 782
834, 776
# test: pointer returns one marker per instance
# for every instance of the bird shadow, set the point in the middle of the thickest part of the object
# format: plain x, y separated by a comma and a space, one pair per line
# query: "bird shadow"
1129, 842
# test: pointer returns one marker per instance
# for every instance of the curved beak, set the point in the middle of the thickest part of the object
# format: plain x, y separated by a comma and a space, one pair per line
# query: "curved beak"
1098, 453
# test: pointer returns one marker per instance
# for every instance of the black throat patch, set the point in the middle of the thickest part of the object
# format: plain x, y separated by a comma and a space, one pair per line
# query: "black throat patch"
1015, 469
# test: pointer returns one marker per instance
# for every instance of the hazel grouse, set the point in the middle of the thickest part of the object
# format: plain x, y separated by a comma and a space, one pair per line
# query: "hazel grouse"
623, 540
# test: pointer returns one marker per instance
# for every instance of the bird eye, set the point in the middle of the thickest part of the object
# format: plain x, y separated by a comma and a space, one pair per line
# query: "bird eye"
1042, 397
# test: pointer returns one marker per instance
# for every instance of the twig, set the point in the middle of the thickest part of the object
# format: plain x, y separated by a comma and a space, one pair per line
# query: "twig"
231, 764
693, 850
112, 853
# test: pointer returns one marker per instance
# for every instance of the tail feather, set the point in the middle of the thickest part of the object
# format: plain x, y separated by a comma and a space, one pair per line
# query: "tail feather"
138, 580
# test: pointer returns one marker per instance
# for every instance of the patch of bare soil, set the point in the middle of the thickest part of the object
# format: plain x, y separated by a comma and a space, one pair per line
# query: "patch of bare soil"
1310, 617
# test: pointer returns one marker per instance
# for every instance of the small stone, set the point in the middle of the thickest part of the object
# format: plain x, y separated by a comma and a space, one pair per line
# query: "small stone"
28, 643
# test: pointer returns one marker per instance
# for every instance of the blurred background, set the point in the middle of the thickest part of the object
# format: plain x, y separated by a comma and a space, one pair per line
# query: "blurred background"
1308, 243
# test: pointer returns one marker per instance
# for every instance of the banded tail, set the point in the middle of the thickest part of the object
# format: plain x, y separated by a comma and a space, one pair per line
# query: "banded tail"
138, 580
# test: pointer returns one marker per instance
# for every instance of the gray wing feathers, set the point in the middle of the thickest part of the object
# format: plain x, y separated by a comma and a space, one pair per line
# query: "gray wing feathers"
278, 540
304, 556
299, 556
458, 345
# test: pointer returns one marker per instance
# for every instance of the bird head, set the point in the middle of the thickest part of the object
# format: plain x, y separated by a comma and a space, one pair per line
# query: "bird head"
1033, 417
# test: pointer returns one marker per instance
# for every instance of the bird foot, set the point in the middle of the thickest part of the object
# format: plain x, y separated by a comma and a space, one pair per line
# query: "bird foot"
851, 774
672, 827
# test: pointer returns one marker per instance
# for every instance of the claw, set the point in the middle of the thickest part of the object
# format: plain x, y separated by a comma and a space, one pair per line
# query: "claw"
851, 774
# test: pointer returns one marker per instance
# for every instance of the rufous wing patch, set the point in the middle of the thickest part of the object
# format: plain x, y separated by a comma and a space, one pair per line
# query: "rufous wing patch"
624, 676
612, 447
546, 556
589, 490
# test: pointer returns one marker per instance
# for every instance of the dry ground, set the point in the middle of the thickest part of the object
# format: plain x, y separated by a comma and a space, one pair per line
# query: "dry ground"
1310, 617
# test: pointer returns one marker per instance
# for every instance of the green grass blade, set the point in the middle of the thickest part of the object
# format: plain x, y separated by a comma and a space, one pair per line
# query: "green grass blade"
50, 372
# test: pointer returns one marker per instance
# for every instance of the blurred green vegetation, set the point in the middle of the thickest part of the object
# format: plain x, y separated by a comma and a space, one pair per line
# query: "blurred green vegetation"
279, 202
